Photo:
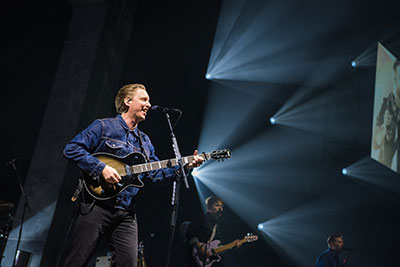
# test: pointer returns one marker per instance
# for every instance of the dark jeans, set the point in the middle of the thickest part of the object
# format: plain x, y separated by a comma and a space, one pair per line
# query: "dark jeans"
93, 222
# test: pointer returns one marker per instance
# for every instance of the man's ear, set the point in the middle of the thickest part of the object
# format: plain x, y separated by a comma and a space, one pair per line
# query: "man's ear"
127, 101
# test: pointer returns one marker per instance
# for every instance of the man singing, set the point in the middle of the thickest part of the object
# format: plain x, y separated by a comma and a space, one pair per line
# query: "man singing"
114, 218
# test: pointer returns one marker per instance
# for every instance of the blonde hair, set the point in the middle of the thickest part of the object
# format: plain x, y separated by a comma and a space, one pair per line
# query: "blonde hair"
125, 91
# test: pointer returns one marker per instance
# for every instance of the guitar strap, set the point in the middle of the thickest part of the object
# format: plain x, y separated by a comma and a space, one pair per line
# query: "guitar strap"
78, 189
141, 146
214, 231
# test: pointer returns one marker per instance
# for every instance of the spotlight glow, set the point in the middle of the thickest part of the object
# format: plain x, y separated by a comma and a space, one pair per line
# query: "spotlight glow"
208, 76
195, 172
354, 64
373, 175
344, 171
260, 226
272, 120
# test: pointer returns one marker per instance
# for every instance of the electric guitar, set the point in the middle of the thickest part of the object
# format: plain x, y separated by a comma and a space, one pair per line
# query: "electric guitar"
214, 250
129, 168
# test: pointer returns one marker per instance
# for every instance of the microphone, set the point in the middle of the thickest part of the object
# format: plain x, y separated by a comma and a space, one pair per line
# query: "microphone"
11, 162
164, 109
348, 249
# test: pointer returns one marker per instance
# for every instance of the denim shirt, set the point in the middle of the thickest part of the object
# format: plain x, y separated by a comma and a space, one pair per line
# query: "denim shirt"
112, 135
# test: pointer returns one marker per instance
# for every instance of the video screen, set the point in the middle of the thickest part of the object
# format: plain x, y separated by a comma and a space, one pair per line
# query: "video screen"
385, 135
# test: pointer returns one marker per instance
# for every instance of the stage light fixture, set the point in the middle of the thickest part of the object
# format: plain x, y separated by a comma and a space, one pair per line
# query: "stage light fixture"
260, 226
272, 120
195, 172
354, 64
345, 171
208, 76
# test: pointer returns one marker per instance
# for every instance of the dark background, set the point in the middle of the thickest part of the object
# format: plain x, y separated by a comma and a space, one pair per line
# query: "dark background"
169, 51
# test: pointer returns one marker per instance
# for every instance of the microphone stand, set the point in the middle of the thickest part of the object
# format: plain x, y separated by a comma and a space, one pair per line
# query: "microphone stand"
141, 259
26, 205
175, 189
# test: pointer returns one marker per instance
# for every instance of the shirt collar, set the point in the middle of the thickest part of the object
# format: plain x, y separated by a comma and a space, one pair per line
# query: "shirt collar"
334, 252
125, 126
211, 218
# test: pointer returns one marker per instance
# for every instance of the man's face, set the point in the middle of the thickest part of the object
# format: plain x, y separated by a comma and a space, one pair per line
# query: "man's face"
338, 244
139, 105
216, 209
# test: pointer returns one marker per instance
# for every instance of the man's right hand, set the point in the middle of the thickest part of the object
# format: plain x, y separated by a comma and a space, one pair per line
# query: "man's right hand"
110, 175
201, 247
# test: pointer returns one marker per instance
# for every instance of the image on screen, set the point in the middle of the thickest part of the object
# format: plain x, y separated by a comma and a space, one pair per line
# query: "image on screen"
385, 128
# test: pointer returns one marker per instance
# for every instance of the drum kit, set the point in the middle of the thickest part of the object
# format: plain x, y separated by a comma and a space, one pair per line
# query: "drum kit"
5, 224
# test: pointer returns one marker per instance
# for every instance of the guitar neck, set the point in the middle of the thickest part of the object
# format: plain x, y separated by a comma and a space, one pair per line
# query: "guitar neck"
146, 167
229, 246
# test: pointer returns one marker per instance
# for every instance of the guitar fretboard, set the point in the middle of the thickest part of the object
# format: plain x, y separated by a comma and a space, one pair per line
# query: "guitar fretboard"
146, 167
231, 245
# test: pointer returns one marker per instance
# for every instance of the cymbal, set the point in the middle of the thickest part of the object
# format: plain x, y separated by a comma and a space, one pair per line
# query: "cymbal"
5, 206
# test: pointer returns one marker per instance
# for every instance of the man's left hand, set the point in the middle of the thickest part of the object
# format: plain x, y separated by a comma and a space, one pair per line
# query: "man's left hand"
237, 243
196, 162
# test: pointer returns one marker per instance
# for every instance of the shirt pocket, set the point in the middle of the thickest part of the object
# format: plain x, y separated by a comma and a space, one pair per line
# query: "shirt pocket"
115, 148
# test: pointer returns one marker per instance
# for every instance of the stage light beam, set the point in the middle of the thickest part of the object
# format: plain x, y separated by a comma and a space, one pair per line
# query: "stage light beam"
195, 173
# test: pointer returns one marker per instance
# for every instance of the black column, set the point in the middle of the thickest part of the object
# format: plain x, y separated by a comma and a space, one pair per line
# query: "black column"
84, 88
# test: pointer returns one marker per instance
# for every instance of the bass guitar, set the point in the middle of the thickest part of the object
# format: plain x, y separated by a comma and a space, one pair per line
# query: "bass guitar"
214, 249
130, 167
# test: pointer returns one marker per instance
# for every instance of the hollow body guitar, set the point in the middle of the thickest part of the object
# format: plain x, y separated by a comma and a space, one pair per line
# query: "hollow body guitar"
130, 167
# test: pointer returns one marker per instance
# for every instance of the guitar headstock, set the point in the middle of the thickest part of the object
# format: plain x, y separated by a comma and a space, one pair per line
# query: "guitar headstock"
221, 154
251, 238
